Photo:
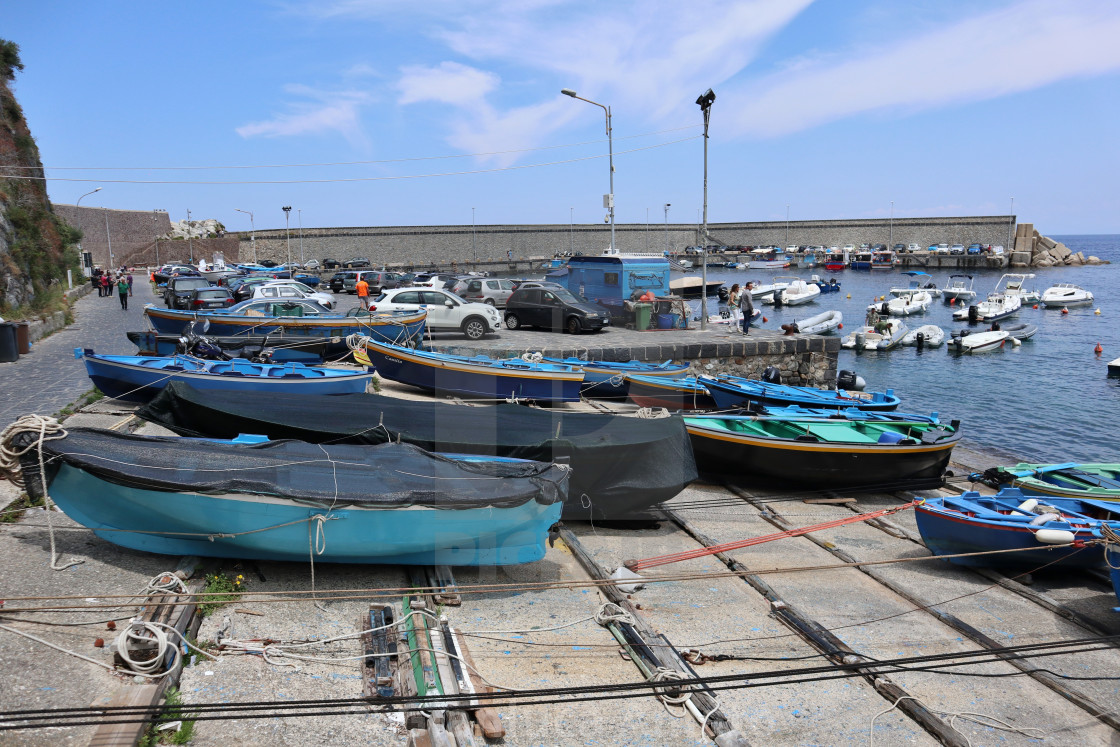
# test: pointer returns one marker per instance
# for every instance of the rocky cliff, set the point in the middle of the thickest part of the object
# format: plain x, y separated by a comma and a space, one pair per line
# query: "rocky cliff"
36, 247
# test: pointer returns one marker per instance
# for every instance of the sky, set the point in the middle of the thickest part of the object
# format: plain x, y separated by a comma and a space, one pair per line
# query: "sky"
384, 112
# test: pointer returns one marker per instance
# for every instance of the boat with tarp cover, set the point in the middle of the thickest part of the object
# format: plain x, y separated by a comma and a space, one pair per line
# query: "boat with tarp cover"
1099, 481
476, 376
137, 378
823, 454
343, 504
730, 392
1056, 528
293, 319
621, 466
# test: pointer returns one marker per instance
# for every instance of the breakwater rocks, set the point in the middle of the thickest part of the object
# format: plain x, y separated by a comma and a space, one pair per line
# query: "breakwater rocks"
1032, 249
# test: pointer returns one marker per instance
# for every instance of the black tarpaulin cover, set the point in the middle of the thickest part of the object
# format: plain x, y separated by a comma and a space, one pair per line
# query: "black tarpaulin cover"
620, 465
388, 475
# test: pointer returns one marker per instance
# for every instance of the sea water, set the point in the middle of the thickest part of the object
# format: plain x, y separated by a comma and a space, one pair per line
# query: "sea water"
1048, 400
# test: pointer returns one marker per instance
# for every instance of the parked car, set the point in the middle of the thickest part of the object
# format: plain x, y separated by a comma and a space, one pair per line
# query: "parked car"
201, 299
939, 248
485, 290
354, 262
179, 290
268, 263
538, 284
974, 249
167, 272
311, 264
446, 311
913, 248
554, 308
264, 306
435, 280
292, 289
338, 281
956, 249
900, 248
378, 280
242, 288
331, 264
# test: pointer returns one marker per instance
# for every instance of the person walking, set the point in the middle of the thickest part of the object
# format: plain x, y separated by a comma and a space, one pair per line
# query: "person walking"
129, 278
733, 305
95, 280
110, 282
746, 306
122, 291
362, 287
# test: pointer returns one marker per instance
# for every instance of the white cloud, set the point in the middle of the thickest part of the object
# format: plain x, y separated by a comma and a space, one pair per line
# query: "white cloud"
321, 112
448, 83
1015, 49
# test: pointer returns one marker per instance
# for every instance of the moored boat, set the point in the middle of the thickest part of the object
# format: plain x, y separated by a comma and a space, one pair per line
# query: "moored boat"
958, 289
1097, 481
481, 377
795, 293
832, 285
918, 281
1065, 295
997, 306
1019, 331
823, 453
1111, 538
730, 392
926, 336
1032, 533
607, 379
621, 466
284, 348
138, 378
824, 323
963, 341
349, 504
883, 335
1011, 284
691, 286
904, 303
685, 393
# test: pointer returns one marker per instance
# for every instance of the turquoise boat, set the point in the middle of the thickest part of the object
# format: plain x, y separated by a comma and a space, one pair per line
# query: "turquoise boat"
285, 500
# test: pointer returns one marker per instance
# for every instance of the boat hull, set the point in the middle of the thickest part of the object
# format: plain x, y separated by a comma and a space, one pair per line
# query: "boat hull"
1112, 560
672, 394
284, 350
129, 516
479, 378
731, 393
607, 380
1059, 480
818, 465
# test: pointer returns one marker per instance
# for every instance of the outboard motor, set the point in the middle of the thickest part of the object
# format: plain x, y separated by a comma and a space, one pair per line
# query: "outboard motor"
973, 314
723, 294
772, 375
885, 309
920, 340
850, 381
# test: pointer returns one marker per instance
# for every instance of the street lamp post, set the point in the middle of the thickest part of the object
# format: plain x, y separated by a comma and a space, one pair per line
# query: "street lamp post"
608, 200
474, 235
77, 205
190, 237
300, 214
252, 232
667, 206
109, 239
155, 234
287, 237
787, 225
705, 102
1010, 225
571, 230
890, 241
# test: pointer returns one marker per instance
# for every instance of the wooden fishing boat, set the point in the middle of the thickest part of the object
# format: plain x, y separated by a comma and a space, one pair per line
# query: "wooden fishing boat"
685, 393
824, 323
137, 378
730, 392
488, 378
343, 503
832, 285
1111, 558
1009, 520
823, 454
621, 466
285, 348
1097, 481
248, 318
607, 379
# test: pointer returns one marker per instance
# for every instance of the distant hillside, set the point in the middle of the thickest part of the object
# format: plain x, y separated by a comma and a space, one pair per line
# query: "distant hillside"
36, 247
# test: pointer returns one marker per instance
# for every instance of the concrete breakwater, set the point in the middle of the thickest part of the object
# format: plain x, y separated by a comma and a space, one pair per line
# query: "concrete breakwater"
1032, 249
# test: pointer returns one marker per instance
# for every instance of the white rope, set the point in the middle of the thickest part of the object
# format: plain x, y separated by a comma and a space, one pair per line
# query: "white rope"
147, 631
978, 718
1111, 539
610, 612
9, 466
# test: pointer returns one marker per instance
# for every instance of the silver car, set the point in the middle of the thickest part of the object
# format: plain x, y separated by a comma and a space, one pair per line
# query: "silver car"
485, 290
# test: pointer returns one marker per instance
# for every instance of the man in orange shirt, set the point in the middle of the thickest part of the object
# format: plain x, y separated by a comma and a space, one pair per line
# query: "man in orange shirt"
362, 287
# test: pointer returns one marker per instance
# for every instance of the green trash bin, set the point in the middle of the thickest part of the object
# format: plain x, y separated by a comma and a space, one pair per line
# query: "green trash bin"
642, 314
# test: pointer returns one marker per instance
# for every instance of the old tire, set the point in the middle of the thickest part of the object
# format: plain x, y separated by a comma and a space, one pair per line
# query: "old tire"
474, 327
512, 322
574, 326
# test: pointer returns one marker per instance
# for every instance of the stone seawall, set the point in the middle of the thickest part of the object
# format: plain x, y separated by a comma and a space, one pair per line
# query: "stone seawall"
127, 231
425, 245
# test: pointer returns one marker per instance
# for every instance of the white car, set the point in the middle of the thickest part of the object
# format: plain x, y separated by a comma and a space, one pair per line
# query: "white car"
913, 248
446, 311
292, 289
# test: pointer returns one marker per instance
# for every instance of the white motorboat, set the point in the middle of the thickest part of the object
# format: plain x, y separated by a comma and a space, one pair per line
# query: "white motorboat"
906, 303
959, 288
796, 293
1064, 295
997, 306
1020, 331
823, 323
1012, 285
767, 289
978, 342
1114, 367
886, 334
926, 336
918, 281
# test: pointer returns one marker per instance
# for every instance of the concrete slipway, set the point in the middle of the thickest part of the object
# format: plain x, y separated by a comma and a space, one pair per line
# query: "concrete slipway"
718, 615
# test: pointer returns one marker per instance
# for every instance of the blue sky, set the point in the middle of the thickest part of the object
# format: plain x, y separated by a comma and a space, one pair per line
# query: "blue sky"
835, 108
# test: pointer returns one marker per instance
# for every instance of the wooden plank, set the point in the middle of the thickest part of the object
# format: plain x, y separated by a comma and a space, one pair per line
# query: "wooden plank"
115, 734
829, 500
486, 716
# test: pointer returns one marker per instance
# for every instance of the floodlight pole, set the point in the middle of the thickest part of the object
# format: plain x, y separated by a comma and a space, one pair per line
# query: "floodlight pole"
608, 199
252, 233
287, 237
705, 104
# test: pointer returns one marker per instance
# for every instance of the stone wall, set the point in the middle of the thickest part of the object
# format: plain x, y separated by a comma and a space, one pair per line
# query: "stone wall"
1032, 249
440, 245
166, 251
130, 230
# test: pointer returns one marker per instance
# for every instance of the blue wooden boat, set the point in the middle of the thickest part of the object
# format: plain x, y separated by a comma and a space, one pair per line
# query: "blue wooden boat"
684, 393
477, 377
306, 350
1112, 558
138, 378
832, 285
730, 392
1096, 481
1010, 520
246, 318
607, 379
343, 503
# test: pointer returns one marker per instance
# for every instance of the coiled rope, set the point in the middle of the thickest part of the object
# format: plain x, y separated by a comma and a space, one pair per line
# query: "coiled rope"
1111, 540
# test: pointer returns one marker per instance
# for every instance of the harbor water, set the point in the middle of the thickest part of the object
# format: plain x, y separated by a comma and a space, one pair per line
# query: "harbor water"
1048, 400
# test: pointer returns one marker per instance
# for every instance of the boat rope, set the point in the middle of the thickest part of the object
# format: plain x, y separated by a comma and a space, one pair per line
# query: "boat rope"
1111, 539
657, 560
47, 429
981, 719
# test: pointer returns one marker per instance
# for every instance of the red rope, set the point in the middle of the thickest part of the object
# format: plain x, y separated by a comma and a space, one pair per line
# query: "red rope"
636, 565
